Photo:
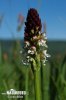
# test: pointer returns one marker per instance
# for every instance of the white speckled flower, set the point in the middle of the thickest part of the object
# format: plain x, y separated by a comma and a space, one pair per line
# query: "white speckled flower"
27, 43
45, 53
42, 43
33, 48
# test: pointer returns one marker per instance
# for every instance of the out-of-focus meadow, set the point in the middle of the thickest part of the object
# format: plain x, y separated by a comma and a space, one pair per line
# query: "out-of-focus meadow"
14, 75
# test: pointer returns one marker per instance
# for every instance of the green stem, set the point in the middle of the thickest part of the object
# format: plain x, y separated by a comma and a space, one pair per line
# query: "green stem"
37, 85
37, 77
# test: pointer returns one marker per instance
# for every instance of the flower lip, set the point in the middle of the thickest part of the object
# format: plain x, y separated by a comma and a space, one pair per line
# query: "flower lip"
31, 52
45, 53
27, 43
33, 48
28, 57
35, 37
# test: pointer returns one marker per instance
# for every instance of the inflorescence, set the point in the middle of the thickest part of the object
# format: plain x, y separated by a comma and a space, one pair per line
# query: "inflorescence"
34, 39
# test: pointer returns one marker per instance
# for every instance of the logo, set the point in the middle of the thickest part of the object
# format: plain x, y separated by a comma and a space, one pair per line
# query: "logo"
15, 94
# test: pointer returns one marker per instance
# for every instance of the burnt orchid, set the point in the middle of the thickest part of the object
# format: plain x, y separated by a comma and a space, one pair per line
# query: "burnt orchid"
35, 48
34, 39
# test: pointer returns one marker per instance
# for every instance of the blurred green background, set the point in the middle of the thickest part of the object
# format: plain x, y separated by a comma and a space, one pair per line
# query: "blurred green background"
14, 75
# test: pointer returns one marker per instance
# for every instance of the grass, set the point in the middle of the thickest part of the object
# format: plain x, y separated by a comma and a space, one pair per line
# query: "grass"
54, 83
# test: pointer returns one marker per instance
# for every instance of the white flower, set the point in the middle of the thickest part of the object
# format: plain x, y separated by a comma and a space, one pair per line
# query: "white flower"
25, 63
28, 60
45, 53
32, 52
28, 57
29, 51
27, 43
33, 48
45, 59
42, 43
39, 32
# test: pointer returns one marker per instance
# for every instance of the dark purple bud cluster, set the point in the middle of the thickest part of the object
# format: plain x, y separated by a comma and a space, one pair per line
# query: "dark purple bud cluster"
33, 24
